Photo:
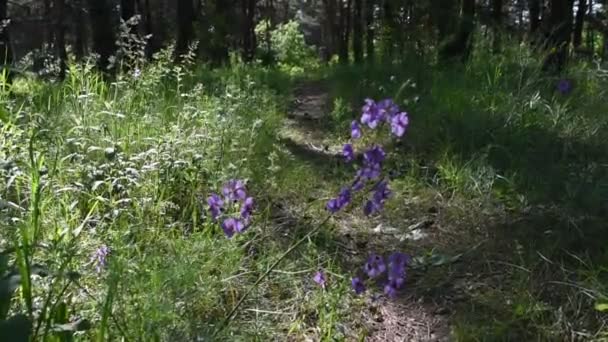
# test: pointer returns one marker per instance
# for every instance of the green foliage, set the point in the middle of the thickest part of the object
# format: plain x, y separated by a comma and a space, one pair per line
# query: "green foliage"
289, 47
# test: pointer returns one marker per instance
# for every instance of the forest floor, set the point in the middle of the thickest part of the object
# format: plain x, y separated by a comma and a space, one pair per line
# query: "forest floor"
472, 282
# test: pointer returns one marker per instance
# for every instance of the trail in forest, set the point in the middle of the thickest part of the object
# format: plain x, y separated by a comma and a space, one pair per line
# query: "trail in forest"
417, 314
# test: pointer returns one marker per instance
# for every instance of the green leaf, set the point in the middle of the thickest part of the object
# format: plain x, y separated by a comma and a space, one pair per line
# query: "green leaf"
16, 329
601, 307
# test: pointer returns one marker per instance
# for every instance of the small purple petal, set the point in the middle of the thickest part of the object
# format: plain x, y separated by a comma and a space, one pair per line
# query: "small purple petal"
374, 266
319, 278
355, 130
399, 123
348, 152
358, 285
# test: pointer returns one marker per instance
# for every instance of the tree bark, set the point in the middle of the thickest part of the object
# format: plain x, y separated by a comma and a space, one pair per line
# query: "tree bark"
461, 44
59, 28
560, 26
497, 23
6, 55
370, 31
577, 38
80, 45
127, 9
534, 9
344, 32
358, 31
104, 44
185, 31
248, 30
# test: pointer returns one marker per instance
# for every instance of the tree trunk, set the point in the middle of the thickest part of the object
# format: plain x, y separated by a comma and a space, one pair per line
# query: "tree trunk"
497, 23
104, 44
344, 32
358, 31
6, 55
389, 25
248, 30
59, 28
534, 9
442, 12
577, 38
127, 9
80, 45
560, 26
185, 31
332, 27
370, 48
461, 44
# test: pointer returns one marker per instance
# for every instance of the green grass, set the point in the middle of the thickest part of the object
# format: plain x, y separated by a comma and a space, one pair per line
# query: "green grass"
512, 175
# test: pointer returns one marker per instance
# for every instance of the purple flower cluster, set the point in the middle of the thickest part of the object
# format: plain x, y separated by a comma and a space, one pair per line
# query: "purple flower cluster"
99, 257
391, 276
564, 86
374, 114
234, 197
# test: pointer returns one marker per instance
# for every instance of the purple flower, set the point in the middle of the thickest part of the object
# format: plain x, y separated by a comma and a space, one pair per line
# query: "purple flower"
216, 205
358, 285
99, 258
359, 183
387, 108
390, 290
370, 171
234, 190
382, 192
247, 208
232, 226
348, 153
374, 266
564, 86
399, 258
371, 207
399, 123
319, 278
336, 204
371, 115
355, 130
374, 155
333, 205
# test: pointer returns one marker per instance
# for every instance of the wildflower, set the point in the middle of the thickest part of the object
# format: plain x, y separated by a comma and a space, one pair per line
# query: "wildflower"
215, 205
234, 190
336, 204
374, 266
387, 109
358, 285
247, 208
232, 226
358, 184
396, 269
348, 152
375, 155
355, 130
319, 278
136, 73
382, 192
399, 123
371, 116
333, 205
390, 290
371, 207
371, 171
564, 86
99, 258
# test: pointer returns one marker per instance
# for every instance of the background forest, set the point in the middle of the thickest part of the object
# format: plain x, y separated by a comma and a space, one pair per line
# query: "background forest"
303, 170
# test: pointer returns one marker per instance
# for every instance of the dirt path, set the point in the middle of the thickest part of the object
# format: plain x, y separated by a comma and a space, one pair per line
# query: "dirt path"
412, 316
